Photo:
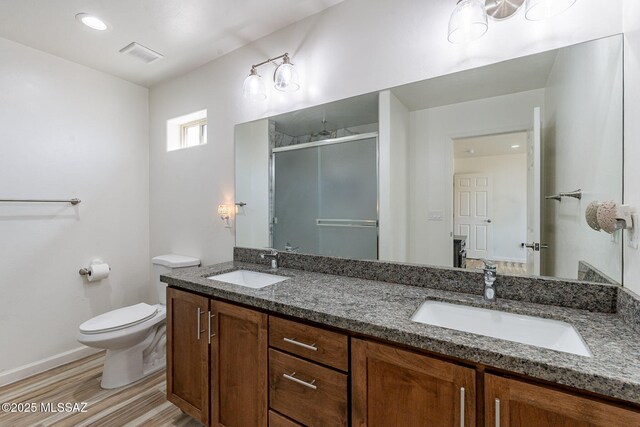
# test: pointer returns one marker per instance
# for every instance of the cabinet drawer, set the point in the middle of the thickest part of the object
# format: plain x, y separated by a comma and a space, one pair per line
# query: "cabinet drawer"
319, 345
277, 420
308, 393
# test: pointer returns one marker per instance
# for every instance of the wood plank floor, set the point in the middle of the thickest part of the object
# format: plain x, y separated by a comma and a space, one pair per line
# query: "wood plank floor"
141, 404
503, 267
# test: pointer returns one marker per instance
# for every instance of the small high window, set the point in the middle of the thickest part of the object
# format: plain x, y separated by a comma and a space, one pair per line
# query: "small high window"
187, 131
193, 133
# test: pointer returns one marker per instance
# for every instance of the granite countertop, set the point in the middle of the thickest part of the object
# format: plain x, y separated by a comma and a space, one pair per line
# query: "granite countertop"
383, 310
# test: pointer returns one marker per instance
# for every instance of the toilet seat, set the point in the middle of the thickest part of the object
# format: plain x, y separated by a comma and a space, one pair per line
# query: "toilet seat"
119, 319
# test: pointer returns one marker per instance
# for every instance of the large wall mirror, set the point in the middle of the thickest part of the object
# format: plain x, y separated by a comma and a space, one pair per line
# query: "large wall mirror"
498, 162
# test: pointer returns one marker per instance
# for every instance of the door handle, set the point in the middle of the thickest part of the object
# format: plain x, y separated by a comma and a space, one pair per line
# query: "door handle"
535, 246
488, 221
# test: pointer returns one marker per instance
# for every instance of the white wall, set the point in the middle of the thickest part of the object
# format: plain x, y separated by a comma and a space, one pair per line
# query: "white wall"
582, 150
431, 163
252, 184
632, 131
67, 130
342, 52
509, 200
393, 178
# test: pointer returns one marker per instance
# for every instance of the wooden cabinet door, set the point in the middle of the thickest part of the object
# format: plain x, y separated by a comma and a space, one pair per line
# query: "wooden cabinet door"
393, 387
188, 353
239, 366
514, 403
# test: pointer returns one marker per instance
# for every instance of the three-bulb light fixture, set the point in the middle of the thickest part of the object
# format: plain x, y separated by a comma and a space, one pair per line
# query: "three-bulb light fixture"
469, 21
285, 78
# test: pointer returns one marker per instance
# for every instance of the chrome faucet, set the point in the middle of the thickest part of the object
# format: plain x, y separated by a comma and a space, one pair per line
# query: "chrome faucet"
289, 248
490, 276
274, 256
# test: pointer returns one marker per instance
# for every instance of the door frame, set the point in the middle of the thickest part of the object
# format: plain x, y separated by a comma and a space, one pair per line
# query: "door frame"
522, 127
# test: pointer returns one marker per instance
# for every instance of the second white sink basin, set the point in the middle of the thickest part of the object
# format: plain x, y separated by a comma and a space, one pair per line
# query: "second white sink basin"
250, 279
546, 333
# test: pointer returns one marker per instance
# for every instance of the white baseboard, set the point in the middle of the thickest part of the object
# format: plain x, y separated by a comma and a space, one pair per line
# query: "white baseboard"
39, 366
503, 259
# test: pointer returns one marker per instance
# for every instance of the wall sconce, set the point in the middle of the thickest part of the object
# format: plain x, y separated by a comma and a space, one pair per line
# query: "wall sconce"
285, 79
469, 21
225, 215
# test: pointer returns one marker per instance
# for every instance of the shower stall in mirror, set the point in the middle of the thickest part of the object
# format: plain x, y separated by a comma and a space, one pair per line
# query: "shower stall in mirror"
325, 197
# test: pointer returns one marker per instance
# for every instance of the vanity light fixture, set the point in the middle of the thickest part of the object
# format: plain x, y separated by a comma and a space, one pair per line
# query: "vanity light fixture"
468, 21
537, 10
285, 78
225, 215
91, 21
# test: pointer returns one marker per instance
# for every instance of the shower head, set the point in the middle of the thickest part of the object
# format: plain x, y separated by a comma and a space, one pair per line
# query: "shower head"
324, 131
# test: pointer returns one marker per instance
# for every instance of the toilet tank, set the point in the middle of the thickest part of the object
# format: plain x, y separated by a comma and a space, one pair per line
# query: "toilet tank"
165, 264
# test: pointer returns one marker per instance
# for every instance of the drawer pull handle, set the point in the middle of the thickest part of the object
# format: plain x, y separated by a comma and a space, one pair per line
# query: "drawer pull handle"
497, 410
200, 313
291, 377
211, 316
462, 406
293, 341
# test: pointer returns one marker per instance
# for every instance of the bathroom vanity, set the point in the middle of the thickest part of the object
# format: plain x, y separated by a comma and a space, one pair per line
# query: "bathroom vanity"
334, 344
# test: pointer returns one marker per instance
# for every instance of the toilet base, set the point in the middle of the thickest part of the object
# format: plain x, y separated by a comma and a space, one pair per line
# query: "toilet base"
127, 365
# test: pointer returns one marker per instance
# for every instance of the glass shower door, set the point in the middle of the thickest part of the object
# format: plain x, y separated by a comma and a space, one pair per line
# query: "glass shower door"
326, 199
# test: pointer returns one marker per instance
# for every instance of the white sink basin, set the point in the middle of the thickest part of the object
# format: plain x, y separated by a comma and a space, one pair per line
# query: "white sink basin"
250, 279
547, 333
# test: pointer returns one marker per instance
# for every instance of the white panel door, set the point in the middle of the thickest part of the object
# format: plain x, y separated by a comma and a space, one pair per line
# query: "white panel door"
472, 213
534, 196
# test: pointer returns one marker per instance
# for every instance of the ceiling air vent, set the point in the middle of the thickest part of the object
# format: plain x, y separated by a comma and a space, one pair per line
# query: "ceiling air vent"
140, 52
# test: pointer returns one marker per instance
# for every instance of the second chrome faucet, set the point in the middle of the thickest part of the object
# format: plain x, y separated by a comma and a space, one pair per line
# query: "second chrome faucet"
490, 276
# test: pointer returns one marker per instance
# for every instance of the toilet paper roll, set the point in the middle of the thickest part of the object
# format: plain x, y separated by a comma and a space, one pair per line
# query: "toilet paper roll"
98, 272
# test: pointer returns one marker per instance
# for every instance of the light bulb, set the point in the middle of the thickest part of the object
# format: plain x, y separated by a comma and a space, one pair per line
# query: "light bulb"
92, 21
537, 10
285, 78
468, 21
254, 87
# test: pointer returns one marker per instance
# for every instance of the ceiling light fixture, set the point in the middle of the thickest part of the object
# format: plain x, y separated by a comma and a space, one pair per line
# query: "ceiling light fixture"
285, 78
468, 21
91, 21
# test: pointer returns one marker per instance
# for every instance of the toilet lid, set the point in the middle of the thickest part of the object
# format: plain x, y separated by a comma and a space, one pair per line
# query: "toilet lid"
119, 319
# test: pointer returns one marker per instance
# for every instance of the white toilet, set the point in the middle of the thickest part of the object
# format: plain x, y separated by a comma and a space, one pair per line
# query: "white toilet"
134, 336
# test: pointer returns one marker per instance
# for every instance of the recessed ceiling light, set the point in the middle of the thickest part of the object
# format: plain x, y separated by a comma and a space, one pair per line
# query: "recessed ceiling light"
515, 146
91, 21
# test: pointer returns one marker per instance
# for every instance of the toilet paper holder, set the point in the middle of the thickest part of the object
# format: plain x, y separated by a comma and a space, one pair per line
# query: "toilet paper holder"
87, 271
